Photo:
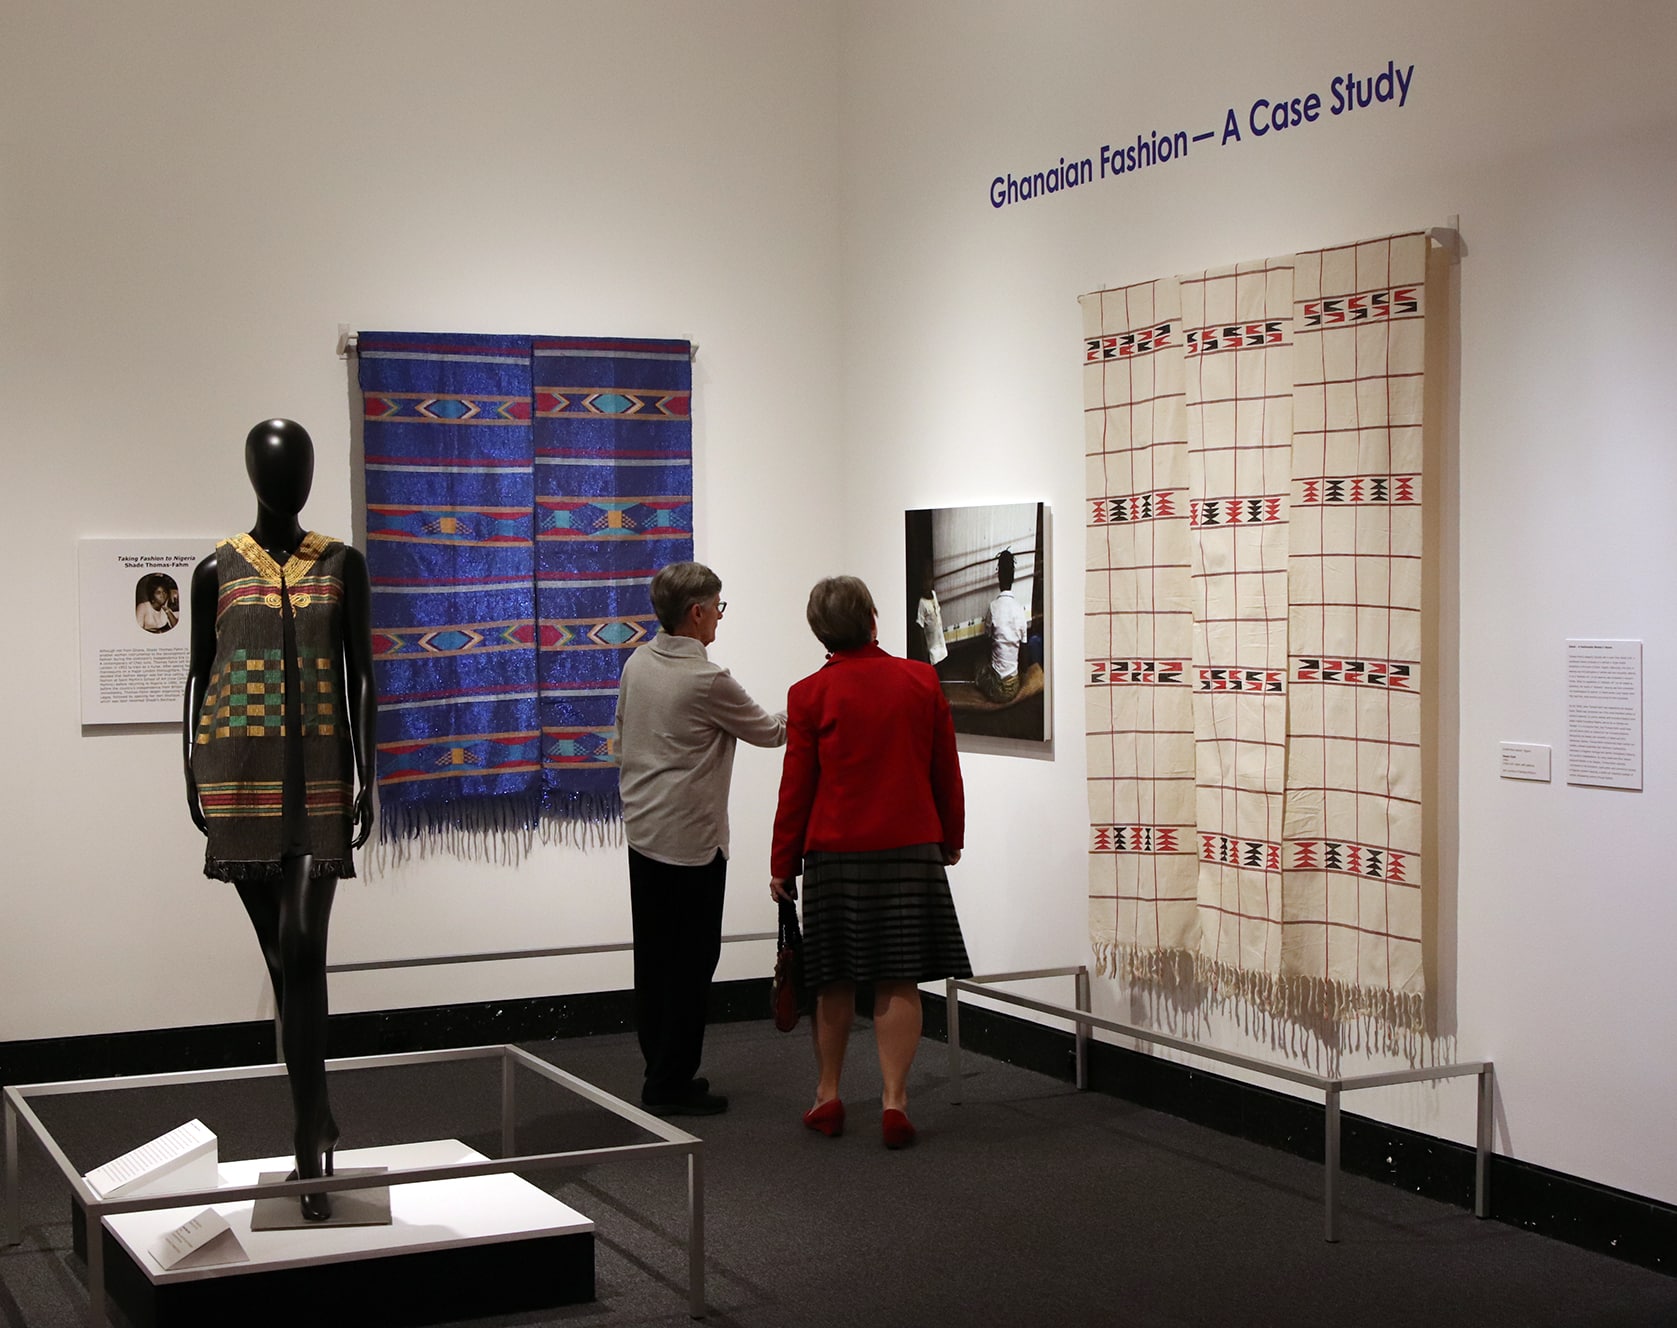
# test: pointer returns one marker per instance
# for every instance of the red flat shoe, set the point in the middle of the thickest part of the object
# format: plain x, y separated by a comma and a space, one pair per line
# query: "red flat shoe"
827, 1118
897, 1128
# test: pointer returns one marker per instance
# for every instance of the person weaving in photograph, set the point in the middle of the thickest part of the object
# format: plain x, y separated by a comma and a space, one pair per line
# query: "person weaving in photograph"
871, 811
678, 719
1006, 625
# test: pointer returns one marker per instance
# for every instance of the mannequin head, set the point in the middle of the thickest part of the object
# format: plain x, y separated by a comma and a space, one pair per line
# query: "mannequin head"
279, 458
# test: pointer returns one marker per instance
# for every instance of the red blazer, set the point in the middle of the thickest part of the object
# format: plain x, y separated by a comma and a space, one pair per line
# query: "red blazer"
870, 761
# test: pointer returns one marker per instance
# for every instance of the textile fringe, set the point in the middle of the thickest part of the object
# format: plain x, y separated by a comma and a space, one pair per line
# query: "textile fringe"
1308, 1017
584, 822
241, 873
499, 830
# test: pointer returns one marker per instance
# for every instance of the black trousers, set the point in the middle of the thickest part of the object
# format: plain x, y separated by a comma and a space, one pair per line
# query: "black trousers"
678, 940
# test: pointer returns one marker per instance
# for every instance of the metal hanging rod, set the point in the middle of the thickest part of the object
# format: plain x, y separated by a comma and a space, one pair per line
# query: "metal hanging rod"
349, 340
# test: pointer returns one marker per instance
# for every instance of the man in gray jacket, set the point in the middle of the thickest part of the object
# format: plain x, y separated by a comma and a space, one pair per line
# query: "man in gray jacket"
678, 719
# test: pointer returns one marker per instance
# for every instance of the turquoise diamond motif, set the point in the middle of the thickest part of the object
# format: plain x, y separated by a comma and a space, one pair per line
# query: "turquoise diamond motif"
617, 633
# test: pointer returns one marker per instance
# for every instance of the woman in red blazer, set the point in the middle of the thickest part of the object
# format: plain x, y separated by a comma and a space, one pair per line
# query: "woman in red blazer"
871, 812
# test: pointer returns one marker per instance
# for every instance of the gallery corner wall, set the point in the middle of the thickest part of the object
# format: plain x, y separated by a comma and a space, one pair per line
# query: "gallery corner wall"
193, 198
1554, 141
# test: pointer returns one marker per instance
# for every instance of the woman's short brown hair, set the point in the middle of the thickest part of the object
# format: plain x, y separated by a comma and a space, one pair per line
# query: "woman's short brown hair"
677, 588
841, 612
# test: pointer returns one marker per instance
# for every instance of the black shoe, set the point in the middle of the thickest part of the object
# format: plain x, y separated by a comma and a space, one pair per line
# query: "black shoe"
691, 1104
695, 1085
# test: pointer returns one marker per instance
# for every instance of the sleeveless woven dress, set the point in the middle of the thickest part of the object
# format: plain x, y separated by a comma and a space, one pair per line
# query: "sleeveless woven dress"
272, 753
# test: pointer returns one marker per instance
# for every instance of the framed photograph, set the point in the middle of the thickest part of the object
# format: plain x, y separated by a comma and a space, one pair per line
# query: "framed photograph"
977, 580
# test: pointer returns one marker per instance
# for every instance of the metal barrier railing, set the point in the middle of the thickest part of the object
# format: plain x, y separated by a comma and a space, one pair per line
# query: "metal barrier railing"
1330, 1086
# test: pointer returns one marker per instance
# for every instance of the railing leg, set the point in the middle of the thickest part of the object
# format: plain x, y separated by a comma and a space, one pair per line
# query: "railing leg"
509, 1116
1330, 1163
14, 1221
1484, 1143
1083, 1004
695, 1235
95, 1265
952, 1013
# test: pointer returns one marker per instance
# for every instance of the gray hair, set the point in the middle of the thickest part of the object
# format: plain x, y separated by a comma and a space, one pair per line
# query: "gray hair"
677, 588
841, 612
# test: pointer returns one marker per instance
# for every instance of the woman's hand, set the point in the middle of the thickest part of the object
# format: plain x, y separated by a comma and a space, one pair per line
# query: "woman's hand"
951, 857
779, 889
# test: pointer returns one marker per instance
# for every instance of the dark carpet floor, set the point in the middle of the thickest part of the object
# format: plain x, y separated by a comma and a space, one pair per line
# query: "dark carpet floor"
1030, 1204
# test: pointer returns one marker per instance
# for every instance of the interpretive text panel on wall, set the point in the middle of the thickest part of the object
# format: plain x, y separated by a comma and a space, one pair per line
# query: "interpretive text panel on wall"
135, 634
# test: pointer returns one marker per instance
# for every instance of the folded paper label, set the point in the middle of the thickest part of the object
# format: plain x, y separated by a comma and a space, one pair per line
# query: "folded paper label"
173, 1247
184, 1158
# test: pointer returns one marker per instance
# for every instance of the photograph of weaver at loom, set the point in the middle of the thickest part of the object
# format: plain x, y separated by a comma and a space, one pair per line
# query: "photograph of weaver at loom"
977, 590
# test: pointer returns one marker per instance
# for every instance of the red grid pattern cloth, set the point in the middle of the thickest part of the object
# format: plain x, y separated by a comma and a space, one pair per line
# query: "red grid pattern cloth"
1254, 628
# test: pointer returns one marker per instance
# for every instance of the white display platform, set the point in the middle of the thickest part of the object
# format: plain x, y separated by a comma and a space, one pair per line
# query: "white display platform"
429, 1215
486, 1255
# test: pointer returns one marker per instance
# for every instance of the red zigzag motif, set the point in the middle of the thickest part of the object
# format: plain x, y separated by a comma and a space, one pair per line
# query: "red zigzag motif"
1386, 490
1122, 345
1393, 302
1250, 854
1236, 336
1107, 672
1135, 838
1133, 507
1370, 861
1264, 509
1392, 674
1240, 680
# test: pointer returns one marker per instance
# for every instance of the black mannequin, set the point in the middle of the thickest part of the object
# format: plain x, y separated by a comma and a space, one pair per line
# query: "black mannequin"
291, 911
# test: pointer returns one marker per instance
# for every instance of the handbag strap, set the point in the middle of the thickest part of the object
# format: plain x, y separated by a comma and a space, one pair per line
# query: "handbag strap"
790, 934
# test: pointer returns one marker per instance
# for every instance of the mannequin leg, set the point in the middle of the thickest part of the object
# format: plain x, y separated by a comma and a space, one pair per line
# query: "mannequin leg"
896, 1031
835, 1007
305, 907
261, 903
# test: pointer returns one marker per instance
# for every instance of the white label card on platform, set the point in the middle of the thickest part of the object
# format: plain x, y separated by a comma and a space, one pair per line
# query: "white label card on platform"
172, 1247
185, 1156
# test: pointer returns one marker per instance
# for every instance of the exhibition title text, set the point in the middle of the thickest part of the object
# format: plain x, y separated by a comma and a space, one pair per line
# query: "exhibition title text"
1265, 116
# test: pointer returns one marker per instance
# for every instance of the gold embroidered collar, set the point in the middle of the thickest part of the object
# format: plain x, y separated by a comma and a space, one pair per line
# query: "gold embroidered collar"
296, 567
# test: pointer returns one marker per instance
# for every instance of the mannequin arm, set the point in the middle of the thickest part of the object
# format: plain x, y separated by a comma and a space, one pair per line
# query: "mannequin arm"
361, 693
206, 585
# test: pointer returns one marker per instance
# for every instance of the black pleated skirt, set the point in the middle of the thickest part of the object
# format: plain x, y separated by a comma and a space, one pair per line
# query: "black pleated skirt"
881, 915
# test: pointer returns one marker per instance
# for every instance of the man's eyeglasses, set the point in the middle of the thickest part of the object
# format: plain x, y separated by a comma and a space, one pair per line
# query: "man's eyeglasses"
721, 607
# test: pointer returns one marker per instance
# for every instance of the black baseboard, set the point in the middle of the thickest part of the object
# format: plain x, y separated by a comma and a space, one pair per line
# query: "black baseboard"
1595, 1217
373, 1033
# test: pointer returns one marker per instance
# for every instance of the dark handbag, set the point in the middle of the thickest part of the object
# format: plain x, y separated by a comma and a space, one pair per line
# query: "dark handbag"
786, 998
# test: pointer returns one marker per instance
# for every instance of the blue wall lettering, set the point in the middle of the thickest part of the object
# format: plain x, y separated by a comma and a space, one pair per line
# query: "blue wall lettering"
1263, 118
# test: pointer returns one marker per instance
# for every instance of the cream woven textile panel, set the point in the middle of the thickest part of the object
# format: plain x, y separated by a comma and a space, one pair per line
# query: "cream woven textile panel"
1253, 629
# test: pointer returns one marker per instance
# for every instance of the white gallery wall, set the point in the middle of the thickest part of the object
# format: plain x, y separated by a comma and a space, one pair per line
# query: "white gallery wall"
194, 196
1552, 131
